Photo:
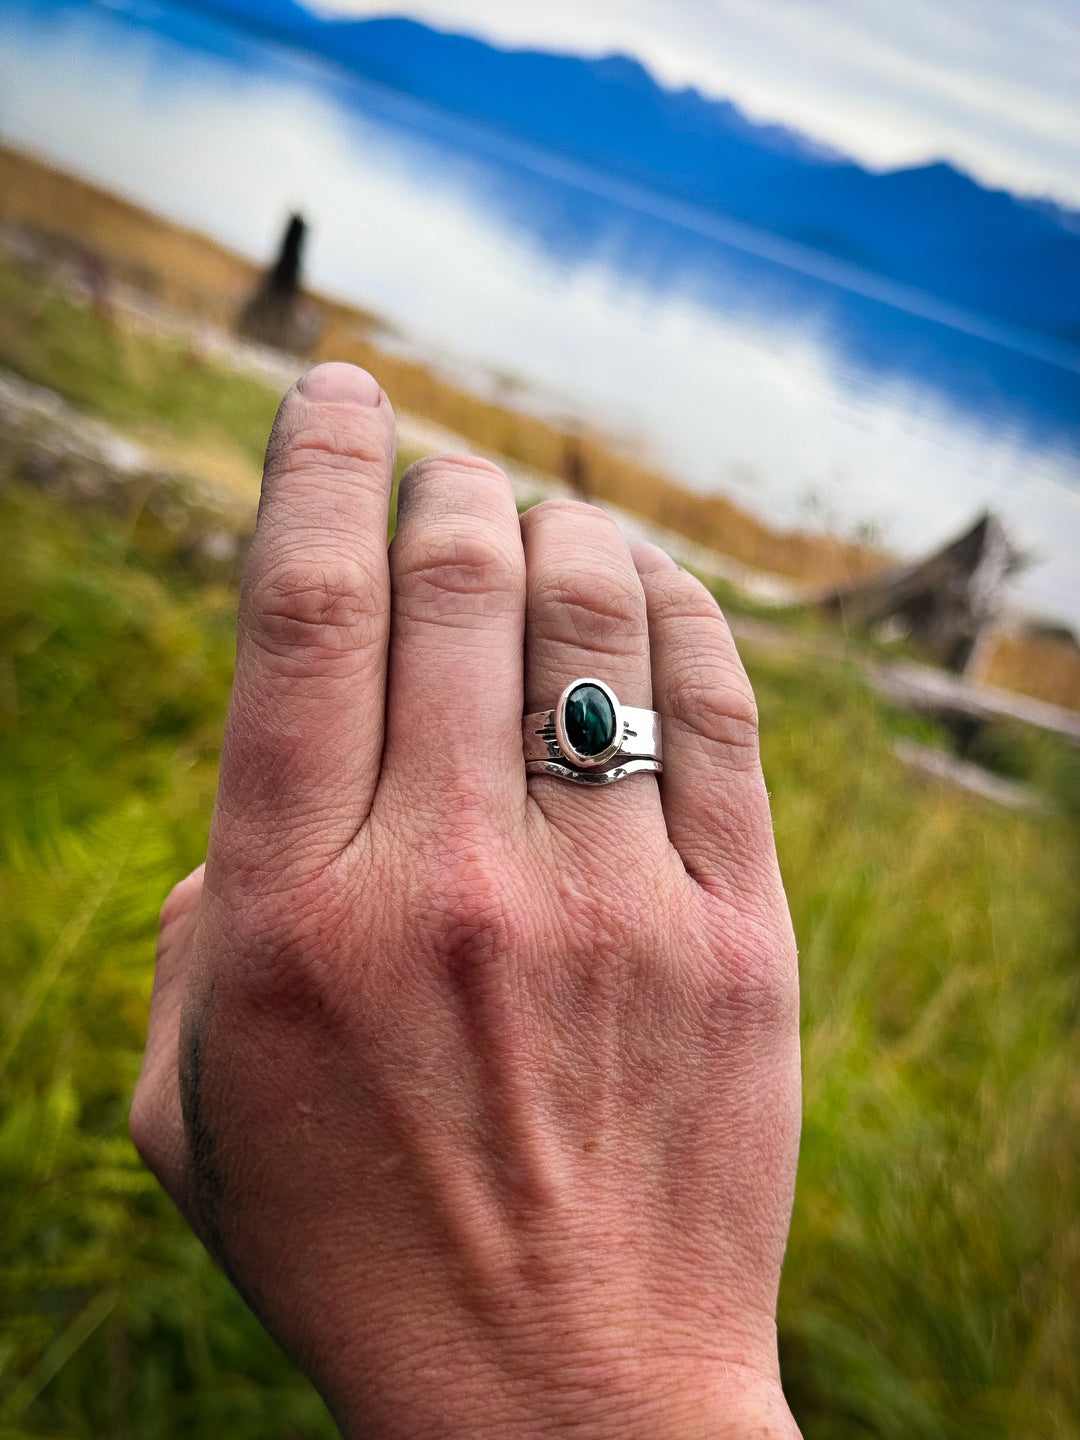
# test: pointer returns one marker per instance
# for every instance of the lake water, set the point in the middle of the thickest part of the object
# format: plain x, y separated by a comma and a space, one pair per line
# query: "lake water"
805, 392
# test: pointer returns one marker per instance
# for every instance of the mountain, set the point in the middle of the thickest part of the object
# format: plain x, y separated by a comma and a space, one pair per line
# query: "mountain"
930, 227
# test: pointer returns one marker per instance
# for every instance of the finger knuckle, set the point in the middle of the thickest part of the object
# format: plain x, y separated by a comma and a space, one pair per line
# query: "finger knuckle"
716, 702
452, 469
556, 510
315, 609
291, 961
333, 444
754, 971
449, 565
761, 995
142, 1121
472, 916
679, 598
442, 485
146, 1128
596, 609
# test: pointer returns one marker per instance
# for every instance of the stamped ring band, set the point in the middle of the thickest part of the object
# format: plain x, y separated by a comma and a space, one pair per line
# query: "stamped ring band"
590, 738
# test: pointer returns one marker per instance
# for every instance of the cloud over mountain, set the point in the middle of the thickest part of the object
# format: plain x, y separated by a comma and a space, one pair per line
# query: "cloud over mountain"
929, 227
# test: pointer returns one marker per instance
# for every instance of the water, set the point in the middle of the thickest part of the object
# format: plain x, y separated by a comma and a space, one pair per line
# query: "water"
805, 392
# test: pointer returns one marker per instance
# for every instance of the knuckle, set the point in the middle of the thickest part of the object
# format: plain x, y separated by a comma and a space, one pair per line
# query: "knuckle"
550, 510
680, 598
316, 607
290, 948
150, 1131
331, 444
755, 960
716, 702
443, 484
761, 995
597, 609
447, 565
471, 915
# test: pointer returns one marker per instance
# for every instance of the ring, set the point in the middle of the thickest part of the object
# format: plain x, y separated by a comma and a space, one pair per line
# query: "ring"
590, 738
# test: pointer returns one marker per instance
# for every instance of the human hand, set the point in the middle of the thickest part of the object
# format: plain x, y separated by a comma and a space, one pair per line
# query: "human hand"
483, 1090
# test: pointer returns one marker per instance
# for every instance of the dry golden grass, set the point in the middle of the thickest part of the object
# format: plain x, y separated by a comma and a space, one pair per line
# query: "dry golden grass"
177, 266
1047, 667
711, 520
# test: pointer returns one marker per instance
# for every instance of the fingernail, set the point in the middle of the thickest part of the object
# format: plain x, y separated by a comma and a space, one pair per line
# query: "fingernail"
650, 557
336, 381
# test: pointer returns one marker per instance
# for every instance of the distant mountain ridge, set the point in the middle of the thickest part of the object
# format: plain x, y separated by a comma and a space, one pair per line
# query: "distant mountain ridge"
930, 227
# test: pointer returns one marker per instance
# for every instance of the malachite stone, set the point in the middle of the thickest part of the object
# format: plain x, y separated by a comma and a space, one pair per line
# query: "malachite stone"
589, 720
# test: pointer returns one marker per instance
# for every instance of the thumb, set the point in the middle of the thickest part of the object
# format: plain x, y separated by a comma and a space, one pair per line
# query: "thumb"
156, 1121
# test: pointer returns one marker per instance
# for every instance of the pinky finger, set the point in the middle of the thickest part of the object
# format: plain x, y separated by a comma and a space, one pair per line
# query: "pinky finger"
715, 803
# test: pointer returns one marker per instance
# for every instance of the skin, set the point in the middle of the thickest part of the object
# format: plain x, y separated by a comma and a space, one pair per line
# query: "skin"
483, 1090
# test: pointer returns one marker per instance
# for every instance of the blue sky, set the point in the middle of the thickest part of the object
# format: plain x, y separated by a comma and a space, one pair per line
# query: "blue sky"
992, 85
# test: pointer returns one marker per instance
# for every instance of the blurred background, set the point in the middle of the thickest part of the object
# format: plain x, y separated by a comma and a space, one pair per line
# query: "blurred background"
795, 291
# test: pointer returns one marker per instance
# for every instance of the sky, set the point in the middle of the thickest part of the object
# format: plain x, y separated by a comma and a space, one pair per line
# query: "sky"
991, 85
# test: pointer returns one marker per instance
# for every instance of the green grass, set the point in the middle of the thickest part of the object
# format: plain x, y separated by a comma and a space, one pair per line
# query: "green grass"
931, 1282
935, 1254
131, 379
113, 676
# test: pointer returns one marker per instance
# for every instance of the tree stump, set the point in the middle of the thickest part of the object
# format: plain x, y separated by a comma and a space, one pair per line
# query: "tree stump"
278, 313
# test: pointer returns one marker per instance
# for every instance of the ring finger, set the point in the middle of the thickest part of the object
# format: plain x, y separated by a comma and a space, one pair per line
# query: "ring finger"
585, 616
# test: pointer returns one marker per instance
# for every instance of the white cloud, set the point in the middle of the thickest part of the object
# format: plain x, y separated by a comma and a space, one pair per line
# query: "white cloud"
992, 85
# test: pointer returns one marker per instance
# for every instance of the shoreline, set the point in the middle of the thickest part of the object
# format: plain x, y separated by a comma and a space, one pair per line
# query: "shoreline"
121, 243
151, 274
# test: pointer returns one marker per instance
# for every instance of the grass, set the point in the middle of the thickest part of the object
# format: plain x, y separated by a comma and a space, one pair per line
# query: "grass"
160, 390
114, 673
936, 1244
1045, 666
930, 1286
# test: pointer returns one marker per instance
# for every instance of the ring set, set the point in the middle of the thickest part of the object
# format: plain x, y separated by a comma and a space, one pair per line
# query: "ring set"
590, 738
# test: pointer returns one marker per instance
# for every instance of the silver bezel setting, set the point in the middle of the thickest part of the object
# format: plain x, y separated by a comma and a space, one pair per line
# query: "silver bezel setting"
588, 762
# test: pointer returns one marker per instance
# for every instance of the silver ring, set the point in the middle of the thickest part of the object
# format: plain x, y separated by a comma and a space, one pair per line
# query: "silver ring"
590, 738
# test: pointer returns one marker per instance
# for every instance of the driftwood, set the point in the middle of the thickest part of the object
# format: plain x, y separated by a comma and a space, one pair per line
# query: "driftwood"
279, 314
935, 692
943, 603
938, 765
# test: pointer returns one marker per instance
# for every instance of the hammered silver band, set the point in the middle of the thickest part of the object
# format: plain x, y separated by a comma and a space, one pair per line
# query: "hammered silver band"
562, 771
634, 745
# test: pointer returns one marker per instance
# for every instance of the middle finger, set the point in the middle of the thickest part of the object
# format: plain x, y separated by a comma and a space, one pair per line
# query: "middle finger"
453, 721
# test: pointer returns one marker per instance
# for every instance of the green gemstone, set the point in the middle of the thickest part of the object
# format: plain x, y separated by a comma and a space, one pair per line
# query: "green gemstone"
589, 720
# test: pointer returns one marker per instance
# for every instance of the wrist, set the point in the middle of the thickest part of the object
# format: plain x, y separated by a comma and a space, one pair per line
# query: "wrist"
691, 1400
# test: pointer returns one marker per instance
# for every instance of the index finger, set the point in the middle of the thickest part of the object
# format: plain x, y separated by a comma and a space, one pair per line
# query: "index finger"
303, 740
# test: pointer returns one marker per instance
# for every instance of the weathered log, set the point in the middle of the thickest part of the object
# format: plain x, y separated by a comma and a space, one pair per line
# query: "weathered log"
278, 313
944, 602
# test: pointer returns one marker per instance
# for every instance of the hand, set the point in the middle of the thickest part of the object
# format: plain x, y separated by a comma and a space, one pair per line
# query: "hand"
484, 1091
